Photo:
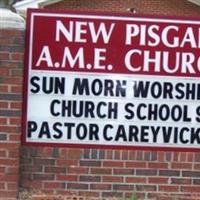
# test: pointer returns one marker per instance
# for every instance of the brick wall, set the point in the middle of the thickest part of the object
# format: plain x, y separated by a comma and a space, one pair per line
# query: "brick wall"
159, 7
11, 67
64, 173
108, 174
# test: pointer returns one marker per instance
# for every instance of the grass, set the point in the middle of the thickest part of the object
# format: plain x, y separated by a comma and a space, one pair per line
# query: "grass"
133, 197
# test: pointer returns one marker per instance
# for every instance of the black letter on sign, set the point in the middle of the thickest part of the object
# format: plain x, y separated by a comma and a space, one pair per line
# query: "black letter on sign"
198, 114
130, 113
56, 128
34, 83
32, 126
44, 130
81, 87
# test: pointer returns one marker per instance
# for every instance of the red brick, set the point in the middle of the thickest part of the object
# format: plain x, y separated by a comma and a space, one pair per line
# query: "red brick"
17, 56
101, 171
78, 186
132, 155
54, 185
161, 156
14, 121
112, 179
124, 187
181, 165
197, 166
190, 156
73, 153
169, 172
146, 172
2, 186
176, 156
3, 121
12, 80
122, 171
134, 164
39, 176
4, 88
3, 152
158, 180
4, 56
61, 177
9, 177
4, 71
66, 162
125, 155
78, 170
168, 188
191, 189
36, 184
43, 152
90, 163
16, 105
4, 105
8, 162
89, 178
55, 170
102, 186
146, 187
42, 161
12, 186
17, 72
16, 89
113, 164
5, 40
194, 174
9, 129
14, 153
32, 168
196, 181
181, 181
12, 170
9, 145
158, 165
8, 195
136, 179
109, 154
183, 157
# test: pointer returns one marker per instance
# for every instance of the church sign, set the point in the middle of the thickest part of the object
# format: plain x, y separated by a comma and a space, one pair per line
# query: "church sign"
100, 80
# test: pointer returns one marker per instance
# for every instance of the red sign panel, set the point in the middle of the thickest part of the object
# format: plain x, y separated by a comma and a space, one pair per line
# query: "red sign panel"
104, 80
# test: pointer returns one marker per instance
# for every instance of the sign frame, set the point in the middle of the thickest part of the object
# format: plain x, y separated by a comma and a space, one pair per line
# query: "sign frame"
88, 15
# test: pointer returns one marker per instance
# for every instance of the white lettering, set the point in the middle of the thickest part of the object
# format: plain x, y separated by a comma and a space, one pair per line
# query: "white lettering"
128, 58
132, 30
79, 57
98, 58
80, 31
154, 60
101, 31
165, 36
45, 56
189, 38
67, 33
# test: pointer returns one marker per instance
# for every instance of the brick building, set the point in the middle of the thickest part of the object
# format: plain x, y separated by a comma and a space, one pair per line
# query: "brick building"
67, 173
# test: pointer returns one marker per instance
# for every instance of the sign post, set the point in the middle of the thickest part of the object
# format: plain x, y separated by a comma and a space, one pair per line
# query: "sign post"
110, 81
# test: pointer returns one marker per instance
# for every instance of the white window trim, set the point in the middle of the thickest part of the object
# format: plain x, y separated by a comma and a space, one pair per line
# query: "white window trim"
22, 6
